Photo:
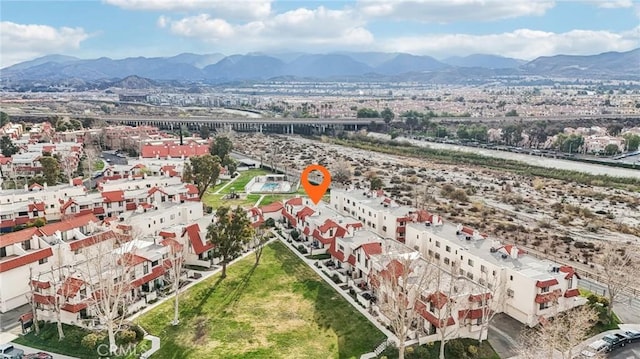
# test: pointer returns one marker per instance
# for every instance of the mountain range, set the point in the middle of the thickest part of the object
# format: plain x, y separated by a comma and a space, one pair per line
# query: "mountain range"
218, 68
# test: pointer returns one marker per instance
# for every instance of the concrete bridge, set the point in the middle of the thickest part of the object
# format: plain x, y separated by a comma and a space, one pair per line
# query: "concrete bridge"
290, 125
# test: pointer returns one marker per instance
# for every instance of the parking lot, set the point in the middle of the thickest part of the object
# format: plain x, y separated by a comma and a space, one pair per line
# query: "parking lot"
630, 351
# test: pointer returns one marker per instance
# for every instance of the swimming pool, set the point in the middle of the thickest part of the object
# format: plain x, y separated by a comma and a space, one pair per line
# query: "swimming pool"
270, 186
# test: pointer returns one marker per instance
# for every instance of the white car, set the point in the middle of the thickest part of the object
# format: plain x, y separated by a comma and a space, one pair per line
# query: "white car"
599, 346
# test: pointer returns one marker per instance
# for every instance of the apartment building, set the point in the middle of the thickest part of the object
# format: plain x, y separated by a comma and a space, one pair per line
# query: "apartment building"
36, 194
378, 212
528, 288
128, 184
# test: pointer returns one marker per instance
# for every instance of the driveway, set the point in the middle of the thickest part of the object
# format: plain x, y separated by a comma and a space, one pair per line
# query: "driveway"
503, 335
9, 319
28, 350
630, 351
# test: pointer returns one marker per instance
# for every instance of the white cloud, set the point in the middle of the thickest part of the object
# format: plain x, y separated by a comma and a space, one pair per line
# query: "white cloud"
613, 4
20, 42
238, 9
522, 43
446, 11
309, 28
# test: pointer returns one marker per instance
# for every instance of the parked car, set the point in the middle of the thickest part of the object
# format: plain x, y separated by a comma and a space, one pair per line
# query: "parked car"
8, 351
595, 348
615, 340
40, 355
634, 335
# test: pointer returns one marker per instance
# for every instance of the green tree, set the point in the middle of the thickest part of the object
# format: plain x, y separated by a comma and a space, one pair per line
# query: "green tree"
441, 132
633, 141
204, 171
222, 147
50, 169
376, 183
387, 115
205, 132
4, 119
614, 129
512, 134
569, 143
463, 132
478, 132
229, 233
511, 113
367, 113
7, 147
611, 149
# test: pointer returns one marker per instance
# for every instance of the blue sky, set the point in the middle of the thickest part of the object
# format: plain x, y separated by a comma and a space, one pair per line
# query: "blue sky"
440, 28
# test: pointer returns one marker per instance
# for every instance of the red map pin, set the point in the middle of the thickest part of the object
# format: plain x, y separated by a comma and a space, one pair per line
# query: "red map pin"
315, 192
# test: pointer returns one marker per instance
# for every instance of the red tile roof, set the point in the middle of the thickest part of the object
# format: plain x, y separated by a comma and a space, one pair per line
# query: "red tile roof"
70, 287
328, 224
289, 217
423, 216
295, 201
272, 208
8, 223
67, 204
113, 196
77, 181
546, 283
421, 308
130, 259
438, 299
191, 188
470, 314
166, 234
175, 245
175, 151
371, 249
303, 213
570, 272
193, 231
336, 253
40, 284
478, 298
316, 234
467, 230
507, 248
68, 224
571, 293
74, 308
20, 261
156, 272
92, 240
19, 236
36, 206
548, 297
352, 260
43, 299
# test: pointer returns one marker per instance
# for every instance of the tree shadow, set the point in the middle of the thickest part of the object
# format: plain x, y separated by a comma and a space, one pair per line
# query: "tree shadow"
205, 297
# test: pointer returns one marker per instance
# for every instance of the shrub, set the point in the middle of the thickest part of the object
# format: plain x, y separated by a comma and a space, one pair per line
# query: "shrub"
90, 340
126, 336
139, 332
335, 279
302, 249
473, 350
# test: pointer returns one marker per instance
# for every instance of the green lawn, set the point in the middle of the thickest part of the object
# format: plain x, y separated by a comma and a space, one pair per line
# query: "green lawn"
98, 165
71, 344
217, 200
456, 348
280, 309
243, 179
213, 189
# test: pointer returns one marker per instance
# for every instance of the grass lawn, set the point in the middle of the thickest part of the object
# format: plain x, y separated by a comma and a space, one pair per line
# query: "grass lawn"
280, 309
243, 179
217, 200
213, 189
48, 340
98, 165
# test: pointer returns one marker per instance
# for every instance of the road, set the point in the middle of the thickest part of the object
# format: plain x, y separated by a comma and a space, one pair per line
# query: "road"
630, 351
531, 160
626, 306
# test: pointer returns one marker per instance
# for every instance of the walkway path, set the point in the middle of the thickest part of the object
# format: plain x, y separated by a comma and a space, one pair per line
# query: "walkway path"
155, 346
226, 185
259, 200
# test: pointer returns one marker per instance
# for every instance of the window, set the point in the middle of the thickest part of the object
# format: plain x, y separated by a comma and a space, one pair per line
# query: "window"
470, 275
483, 269
437, 255
490, 286
43, 260
447, 261
494, 273
570, 283
510, 277
438, 244
109, 205
26, 245
544, 289
366, 262
482, 281
154, 263
430, 253
448, 249
461, 271
384, 228
510, 293
544, 305
470, 262
83, 293
146, 269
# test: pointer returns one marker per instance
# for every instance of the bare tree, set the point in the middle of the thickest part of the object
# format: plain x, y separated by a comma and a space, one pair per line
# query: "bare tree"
492, 301
398, 280
177, 254
619, 265
59, 295
107, 274
561, 334
69, 164
34, 308
447, 288
260, 237
341, 172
